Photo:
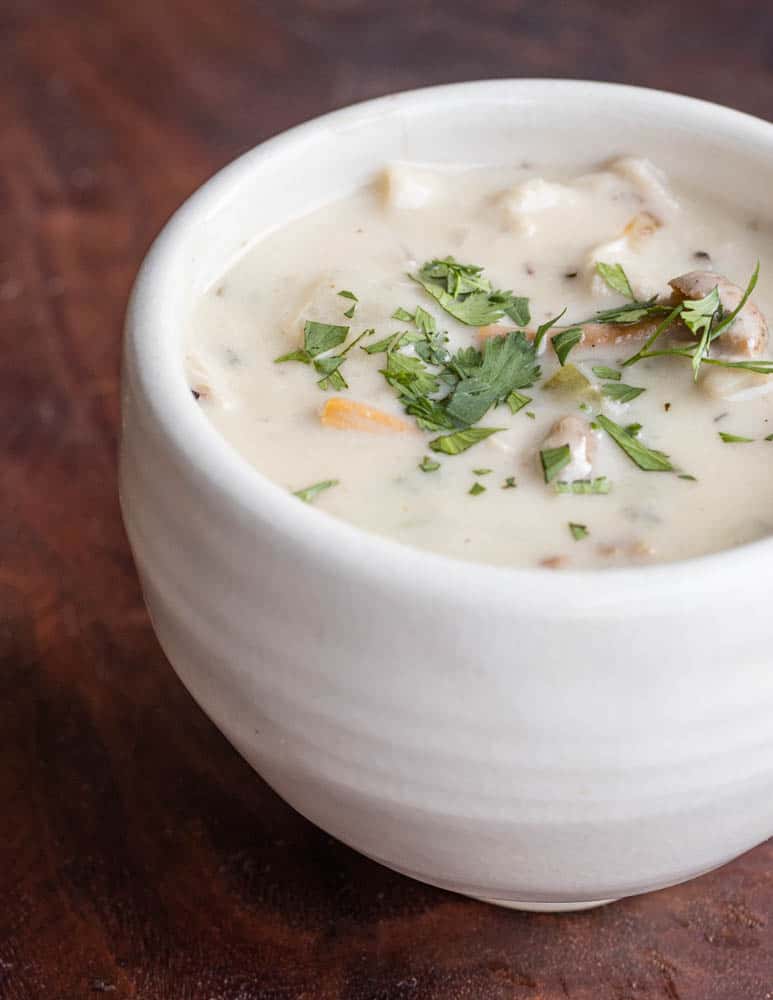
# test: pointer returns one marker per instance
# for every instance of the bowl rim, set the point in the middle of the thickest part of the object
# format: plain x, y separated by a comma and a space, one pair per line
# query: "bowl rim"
152, 357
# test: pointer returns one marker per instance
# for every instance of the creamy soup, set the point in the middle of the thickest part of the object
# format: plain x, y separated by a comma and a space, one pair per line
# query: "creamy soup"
388, 359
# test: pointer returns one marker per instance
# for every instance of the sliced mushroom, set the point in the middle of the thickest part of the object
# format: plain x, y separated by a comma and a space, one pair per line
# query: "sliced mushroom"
575, 432
748, 333
594, 334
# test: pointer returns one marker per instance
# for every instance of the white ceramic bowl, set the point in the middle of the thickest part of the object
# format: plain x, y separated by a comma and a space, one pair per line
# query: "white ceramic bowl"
547, 740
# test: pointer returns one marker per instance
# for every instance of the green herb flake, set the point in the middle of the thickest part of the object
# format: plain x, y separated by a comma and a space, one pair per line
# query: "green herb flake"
646, 458
349, 313
424, 320
616, 278
601, 371
554, 460
311, 492
584, 487
346, 294
321, 337
734, 438
481, 472
632, 429
509, 483
519, 311
769, 437
476, 489
402, 315
506, 363
427, 464
531, 415
565, 340
578, 531
459, 441
392, 343
686, 475
620, 392
516, 401
464, 292
543, 330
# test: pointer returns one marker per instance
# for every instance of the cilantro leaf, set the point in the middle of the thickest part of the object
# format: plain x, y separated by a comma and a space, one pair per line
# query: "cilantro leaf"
506, 363
409, 376
430, 414
646, 458
459, 441
699, 315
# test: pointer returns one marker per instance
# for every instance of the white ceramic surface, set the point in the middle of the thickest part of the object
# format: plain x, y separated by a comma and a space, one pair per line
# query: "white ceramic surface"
548, 739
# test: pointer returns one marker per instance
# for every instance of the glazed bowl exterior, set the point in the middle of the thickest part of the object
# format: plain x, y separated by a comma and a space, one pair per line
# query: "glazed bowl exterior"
526, 736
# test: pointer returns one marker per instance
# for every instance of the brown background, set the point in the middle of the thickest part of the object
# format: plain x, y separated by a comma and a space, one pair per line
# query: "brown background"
139, 856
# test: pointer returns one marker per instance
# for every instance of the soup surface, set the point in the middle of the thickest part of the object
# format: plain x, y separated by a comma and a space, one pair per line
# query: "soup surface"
454, 423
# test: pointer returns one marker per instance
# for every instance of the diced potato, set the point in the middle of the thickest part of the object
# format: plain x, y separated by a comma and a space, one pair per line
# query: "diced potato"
626, 249
524, 203
649, 181
349, 415
407, 186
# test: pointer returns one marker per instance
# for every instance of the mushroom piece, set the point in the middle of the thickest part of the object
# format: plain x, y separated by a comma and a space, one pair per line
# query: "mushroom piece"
748, 333
575, 432
593, 334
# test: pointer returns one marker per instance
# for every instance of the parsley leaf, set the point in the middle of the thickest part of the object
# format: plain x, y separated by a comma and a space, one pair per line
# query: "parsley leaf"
554, 460
409, 376
616, 278
587, 487
543, 329
601, 371
482, 472
321, 337
346, 294
699, 315
565, 340
509, 483
464, 293
734, 438
459, 441
579, 531
506, 363
393, 342
427, 465
620, 392
403, 315
516, 401
519, 311
310, 492
476, 489
646, 458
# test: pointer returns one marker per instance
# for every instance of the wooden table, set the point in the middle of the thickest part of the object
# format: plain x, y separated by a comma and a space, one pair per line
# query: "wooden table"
139, 856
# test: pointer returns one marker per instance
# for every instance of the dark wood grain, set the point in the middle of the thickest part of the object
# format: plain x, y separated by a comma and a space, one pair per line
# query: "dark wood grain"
139, 856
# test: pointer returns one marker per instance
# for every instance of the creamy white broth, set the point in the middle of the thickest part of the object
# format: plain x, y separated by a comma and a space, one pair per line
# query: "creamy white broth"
539, 234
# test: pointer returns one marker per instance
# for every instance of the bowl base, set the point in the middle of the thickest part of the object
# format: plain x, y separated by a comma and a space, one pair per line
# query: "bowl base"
537, 907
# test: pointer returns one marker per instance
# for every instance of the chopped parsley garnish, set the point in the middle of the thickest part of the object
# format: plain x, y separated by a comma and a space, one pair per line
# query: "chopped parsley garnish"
459, 441
464, 293
620, 392
427, 465
403, 315
310, 492
509, 483
769, 437
616, 278
543, 329
699, 315
584, 487
570, 381
506, 363
481, 472
734, 438
318, 338
349, 295
646, 458
565, 340
579, 531
476, 489
633, 429
601, 371
518, 311
392, 343
554, 460
516, 401
686, 475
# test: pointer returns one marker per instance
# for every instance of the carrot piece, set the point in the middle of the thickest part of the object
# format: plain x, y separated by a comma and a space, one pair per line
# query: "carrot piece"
349, 415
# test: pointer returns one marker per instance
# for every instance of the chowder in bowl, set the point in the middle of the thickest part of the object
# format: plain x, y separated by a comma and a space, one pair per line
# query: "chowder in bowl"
516, 640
